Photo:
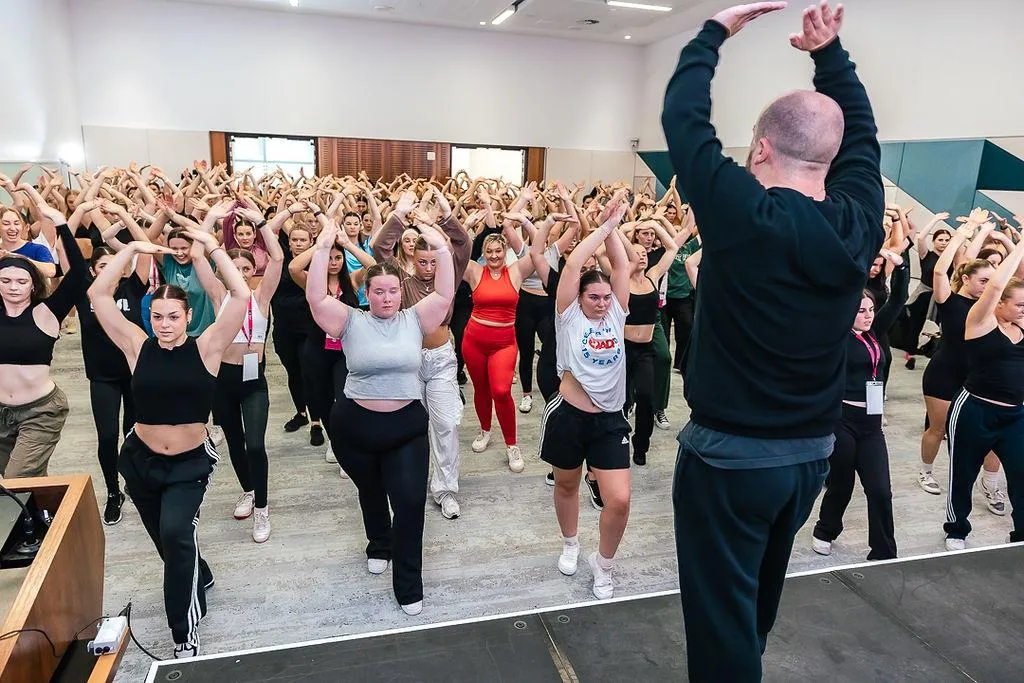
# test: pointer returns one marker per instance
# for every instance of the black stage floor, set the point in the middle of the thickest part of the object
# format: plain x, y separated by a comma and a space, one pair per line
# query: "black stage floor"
952, 617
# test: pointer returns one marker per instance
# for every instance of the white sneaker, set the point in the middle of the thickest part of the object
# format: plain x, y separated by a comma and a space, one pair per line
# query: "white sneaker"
186, 651
995, 499
661, 420
603, 584
329, 455
481, 442
260, 524
413, 609
515, 459
526, 405
450, 507
216, 435
376, 566
821, 547
569, 558
244, 506
928, 483
955, 544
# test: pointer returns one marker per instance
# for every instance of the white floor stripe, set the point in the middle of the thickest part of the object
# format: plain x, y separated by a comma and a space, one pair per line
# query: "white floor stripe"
546, 610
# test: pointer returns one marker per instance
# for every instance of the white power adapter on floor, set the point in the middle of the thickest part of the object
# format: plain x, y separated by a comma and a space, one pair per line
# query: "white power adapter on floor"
109, 636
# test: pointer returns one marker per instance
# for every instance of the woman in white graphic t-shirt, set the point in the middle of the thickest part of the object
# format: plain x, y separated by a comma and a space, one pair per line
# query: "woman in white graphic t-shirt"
584, 421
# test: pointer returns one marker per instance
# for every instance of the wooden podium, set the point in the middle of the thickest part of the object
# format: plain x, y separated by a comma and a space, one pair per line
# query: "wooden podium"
62, 590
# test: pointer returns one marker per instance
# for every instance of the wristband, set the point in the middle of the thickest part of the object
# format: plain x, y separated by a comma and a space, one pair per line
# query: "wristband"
317, 214
216, 248
259, 226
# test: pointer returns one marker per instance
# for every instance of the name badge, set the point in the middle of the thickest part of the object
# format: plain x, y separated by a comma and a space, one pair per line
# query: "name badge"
875, 397
332, 343
250, 367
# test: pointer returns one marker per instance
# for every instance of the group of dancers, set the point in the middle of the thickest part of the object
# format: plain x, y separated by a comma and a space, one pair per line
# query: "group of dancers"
378, 296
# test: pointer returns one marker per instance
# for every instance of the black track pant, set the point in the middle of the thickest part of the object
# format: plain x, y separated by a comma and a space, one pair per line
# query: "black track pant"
462, 309
860, 451
168, 490
640, 388
324, 372
107, 399
976, 427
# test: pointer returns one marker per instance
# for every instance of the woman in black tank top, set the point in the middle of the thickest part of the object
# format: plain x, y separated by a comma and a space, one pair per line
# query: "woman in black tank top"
946, 371
988, 415
639, 334
168, 457
32, 406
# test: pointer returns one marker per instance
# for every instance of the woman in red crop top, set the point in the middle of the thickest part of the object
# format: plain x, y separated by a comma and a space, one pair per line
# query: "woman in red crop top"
489, 343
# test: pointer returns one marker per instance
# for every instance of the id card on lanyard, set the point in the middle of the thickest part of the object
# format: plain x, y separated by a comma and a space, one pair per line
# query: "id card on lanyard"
333, 343
874, 390
250, 361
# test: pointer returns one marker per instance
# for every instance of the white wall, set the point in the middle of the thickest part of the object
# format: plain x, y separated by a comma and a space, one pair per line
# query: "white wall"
574, 165
143, 64
38, 119
171, 150
925, 82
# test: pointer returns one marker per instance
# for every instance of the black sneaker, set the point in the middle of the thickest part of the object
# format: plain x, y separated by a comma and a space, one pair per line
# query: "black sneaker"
549, 478
112, 512
911, 363
207, 576
595, 493
461, 377
316, 435
296, 423
640, 459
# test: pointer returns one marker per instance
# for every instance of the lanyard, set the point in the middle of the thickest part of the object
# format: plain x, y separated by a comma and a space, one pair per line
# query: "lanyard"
874, 351
247, 333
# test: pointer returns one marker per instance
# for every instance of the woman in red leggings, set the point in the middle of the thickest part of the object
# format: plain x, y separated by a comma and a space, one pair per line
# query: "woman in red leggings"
489, 343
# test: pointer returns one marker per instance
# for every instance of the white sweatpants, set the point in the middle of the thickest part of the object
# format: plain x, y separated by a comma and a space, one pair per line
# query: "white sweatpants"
444, 405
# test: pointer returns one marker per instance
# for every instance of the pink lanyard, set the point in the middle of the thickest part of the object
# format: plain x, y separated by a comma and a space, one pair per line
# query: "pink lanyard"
247, 333
874, 351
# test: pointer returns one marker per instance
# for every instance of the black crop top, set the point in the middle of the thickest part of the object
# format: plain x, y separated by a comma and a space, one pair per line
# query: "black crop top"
643, 308
996, 367
172, 386
21, 340
865, 354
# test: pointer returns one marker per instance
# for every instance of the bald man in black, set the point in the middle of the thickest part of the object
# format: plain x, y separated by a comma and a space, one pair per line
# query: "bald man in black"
787, 244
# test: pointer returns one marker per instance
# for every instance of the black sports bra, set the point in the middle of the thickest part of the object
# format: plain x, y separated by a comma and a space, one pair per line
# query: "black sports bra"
643, 308
172, 386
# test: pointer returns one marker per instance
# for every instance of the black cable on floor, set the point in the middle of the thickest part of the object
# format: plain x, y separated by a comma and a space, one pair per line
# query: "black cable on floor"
127, 614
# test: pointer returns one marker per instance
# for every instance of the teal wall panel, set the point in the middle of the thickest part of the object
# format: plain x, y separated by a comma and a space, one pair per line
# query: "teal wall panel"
660, 165
892, 159
941, 174
1000, 170
985, 202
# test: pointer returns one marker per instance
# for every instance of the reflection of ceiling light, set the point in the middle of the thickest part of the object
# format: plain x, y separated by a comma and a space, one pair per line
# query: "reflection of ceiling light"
293, 3
503, 17
384, 8
483, 23
627, 37
637, 5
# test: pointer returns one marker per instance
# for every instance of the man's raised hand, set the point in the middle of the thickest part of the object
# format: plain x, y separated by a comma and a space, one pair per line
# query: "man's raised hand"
821, 26
735, 18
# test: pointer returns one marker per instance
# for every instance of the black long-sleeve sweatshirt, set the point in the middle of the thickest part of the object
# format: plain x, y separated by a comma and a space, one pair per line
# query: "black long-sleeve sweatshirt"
782, 274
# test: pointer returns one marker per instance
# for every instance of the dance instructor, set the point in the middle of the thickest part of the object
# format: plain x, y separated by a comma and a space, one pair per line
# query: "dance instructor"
810, 201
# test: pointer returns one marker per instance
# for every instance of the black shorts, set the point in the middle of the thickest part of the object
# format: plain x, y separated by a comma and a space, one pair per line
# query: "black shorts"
942, 380
570, 436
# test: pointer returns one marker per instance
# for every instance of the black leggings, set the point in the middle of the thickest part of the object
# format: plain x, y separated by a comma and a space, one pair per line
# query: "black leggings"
106, 398
387, 456
288, 343
640, 389
242, 408
324, 373
677, 315
859, 451
531, 311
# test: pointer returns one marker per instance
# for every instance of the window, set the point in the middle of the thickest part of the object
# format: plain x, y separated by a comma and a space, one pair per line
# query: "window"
265, 154
509, 165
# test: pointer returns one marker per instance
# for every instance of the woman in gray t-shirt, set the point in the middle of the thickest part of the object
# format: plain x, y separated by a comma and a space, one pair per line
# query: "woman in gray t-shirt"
379, 429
